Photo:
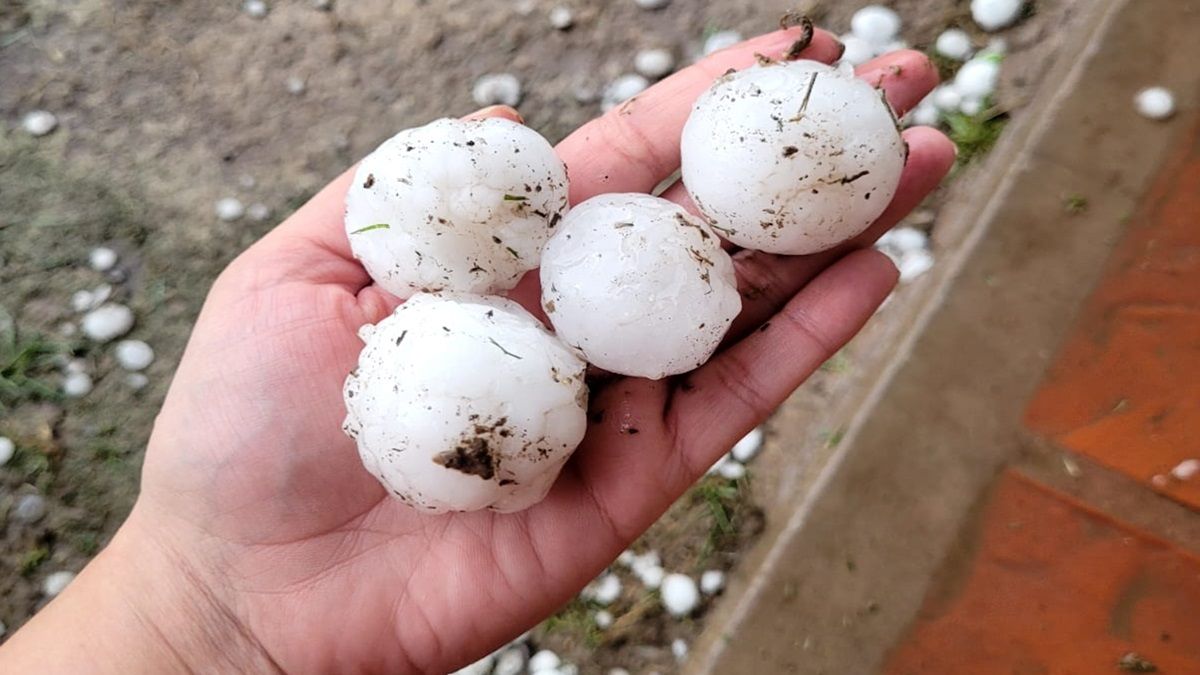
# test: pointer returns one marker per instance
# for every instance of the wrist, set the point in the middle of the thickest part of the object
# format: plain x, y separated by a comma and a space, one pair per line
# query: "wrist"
139, 606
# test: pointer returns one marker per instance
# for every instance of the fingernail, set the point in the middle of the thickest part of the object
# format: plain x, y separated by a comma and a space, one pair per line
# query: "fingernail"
506, 111
841, 49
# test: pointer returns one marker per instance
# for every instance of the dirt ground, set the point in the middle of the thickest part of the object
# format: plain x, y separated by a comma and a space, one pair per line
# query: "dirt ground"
166, 107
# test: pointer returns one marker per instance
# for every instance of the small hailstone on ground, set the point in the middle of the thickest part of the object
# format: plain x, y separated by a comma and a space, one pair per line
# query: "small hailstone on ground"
926, 114
746, 449
54, 583
1186, 469
652, 4
102, 258
7, 449
647, 567
323, 5
605, 590
133, 354
76, 366
661, 266
603, 619
561, 17
1158, 480
77, 385
255, 8
858, 51
39, 122
618, 671
772, 179
977, 78
712, 581
82, 301
567, 669
679, 594
953, 44
258, 212
136, 381
295, 85
904, 239
510, 661
455, 205
229, 209
654, 63
721, 40
971, 107
1156, 103
732, 470
679, 649
544, 661
876, 24
107, 322
946, 97
993, 15
913, 264
67, 329
461, 403
28, 508
101, 294
497, 89
481, 667
622, 89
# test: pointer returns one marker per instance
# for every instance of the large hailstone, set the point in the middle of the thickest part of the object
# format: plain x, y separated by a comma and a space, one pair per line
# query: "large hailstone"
792, 157
462, 403
459, 205
638, 285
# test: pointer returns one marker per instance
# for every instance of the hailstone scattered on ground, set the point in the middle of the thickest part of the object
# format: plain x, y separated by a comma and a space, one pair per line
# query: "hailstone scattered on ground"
459, 205
679, 594
1156, 103
876, 24
954, 43
638, 285
461, 403
792, 157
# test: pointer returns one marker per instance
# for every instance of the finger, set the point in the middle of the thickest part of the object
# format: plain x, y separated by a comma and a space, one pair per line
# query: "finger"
768, 281
634, 146
739, 388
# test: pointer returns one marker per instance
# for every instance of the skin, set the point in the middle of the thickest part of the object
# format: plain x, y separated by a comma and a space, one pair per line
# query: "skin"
259, 543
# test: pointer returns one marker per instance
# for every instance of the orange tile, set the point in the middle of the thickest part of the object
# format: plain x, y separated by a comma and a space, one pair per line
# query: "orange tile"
1057, 589
1125, 388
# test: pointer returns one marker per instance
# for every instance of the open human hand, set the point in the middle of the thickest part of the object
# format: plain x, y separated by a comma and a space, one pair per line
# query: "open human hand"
260, 542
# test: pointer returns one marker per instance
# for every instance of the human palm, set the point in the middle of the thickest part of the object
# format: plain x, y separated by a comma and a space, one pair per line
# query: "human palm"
250, 480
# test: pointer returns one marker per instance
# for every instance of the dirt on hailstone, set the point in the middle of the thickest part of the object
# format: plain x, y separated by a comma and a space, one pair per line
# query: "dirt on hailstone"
166, 107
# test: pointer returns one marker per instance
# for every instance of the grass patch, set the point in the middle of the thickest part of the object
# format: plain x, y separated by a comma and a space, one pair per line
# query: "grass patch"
1075, 204
24, 363
33, 559
575, 621
974, 134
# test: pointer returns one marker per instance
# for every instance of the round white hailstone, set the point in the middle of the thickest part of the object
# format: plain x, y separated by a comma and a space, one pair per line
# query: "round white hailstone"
255, 8
679, 594
638, 285
977, 78
497, 89
654, 63
100, 294
461, 403
561, 17
133, 354
971, 107
481, 667
258, 212
77, 385
136, 381
102, 258
626, 558
716, 466
28, 508
1186, 469
904, 239
926, 114
7, 450
568, 669
460, 205
55, 583
947, 98
544, 661
913, 264
747, 448
622, 89
858, 51
651, 576
732, 470
791, 158
876, 24
107, 322
295, 85
229, 209
604, 590
993, 15
39, 122
721, 40
712, 581
603, 619
679, 649
953, 44
618, 671
1156, 103
510, 661
652, 4
82, 301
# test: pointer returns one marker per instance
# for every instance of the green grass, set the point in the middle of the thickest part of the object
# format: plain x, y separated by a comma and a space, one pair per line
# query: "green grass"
24, 364
1075, 204
974, 134
575, 619
33, 559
